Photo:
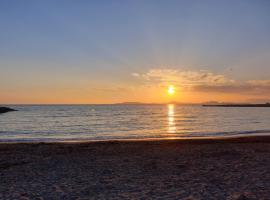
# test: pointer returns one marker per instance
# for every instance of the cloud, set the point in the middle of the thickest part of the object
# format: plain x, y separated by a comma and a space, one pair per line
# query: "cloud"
265, 83
244, 88
183, 78
135, 74
204, 81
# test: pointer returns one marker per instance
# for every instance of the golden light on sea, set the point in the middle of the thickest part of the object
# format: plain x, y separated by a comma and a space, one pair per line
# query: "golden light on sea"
171, 123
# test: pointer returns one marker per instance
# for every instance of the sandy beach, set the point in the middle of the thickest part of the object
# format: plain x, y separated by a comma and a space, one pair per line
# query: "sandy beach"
236, 168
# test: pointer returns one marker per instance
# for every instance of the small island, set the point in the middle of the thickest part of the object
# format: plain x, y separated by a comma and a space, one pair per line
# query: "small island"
6, 109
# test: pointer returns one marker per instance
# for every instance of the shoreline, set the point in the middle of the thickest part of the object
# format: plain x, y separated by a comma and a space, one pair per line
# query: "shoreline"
236, 138
165, 169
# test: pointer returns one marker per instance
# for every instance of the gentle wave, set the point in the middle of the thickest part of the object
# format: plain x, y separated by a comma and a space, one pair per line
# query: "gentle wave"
110, 122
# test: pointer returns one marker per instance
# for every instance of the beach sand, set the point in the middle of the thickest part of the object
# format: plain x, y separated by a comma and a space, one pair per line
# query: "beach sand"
174, 169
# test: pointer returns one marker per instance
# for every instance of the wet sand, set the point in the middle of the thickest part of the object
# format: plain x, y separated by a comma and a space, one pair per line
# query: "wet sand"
175, 169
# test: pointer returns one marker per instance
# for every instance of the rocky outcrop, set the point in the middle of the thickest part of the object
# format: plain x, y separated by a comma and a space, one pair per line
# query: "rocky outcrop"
6, 109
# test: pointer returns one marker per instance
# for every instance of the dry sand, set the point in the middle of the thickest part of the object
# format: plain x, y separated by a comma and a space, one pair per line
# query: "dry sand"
188, 169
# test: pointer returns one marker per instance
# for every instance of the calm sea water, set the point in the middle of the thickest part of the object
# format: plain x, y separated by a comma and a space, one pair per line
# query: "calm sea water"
109, 122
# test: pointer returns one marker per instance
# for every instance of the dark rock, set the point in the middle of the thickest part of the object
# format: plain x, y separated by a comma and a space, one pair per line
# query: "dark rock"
6, 109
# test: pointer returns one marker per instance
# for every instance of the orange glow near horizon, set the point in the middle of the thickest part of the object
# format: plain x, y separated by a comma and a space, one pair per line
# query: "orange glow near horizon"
104, 92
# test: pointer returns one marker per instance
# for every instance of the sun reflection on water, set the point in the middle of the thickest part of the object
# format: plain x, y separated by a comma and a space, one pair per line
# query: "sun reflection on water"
171, 123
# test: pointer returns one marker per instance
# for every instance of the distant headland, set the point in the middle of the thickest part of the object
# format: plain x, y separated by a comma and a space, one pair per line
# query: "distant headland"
237, 105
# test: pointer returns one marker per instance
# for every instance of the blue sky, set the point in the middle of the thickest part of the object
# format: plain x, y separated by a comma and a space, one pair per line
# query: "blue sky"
70, 42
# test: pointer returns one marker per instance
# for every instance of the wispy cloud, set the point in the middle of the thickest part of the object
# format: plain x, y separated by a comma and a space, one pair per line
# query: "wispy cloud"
203, 81
183, 78
256, 87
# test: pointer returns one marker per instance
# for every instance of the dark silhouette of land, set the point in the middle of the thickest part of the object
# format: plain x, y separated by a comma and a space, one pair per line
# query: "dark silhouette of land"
6, 109
237, 105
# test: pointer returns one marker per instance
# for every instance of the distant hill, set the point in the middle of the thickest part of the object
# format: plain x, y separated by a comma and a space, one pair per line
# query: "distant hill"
141, 103
130, 103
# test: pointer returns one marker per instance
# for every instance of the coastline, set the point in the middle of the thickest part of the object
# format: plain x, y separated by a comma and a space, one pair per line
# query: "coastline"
167, 169
204, 139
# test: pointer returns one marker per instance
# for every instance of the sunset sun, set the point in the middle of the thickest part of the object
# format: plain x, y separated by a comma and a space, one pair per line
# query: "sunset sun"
171, 90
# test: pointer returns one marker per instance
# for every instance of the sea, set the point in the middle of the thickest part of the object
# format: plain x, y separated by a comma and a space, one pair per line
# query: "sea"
52, 123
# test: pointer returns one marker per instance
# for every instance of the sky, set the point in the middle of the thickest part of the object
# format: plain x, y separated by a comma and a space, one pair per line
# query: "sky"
80, 52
